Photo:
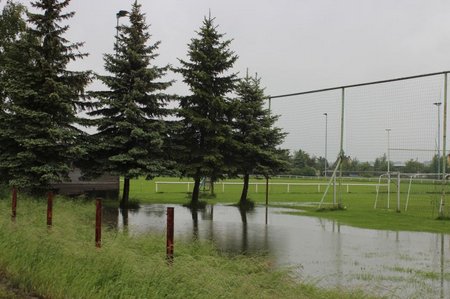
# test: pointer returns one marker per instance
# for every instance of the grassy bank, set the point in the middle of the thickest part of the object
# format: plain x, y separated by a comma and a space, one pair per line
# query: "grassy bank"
63, 263
359, 201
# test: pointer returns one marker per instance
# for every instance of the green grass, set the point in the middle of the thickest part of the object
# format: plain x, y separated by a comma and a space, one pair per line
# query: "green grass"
62, 262
359, 201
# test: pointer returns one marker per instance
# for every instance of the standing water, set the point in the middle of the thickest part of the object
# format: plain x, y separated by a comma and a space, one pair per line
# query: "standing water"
389, 263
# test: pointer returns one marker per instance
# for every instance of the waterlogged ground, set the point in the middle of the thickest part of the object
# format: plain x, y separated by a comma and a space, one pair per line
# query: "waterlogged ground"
393, 264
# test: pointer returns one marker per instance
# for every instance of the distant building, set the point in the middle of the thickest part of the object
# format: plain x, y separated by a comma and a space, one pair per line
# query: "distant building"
106, 186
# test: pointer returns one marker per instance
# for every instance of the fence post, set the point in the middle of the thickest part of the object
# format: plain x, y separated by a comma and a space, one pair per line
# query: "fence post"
169, 241
14, 203
49, 208
98, 222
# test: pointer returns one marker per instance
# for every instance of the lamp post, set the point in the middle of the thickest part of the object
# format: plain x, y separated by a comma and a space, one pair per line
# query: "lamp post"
388, 164
438, 105
326, 141
119, 14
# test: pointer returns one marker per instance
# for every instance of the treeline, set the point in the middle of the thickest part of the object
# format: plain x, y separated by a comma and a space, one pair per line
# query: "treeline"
221, 128
303, 164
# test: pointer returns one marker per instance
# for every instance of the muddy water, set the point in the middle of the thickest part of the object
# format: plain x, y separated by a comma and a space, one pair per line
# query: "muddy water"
394, 264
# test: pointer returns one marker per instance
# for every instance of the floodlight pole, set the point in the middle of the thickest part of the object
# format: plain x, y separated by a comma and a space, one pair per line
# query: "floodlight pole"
388, 164
438, 105
326, 141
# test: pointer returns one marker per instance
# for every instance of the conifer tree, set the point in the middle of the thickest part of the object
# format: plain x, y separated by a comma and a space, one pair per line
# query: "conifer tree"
255, 139
131, 131
12, 26
205, 112
37, 129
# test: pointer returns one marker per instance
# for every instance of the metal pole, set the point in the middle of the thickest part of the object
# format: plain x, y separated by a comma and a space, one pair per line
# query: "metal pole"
444, 151
326, 142
341, 152
444, 131
170, 229
398, 192
389, 165
438, 105
439, 137
267, 177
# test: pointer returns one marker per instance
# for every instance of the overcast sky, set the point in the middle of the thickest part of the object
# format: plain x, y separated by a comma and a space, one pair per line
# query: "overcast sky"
293, 45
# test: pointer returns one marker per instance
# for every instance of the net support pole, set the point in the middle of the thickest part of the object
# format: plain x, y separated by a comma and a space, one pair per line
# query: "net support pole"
341, 150
444, 150
398, 192
332, 181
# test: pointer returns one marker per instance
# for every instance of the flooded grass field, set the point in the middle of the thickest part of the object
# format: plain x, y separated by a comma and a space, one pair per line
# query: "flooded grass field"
395, 264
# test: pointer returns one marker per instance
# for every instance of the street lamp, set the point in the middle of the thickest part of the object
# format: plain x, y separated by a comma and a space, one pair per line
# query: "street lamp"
119, 14
388, 164
438, 105
326, 141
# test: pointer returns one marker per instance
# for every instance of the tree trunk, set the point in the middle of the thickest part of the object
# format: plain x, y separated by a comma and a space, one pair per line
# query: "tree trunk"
126, 193
211, 186
195, 191
244, 189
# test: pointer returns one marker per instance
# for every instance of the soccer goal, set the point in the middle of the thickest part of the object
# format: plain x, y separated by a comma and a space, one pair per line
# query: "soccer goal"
388, 191
425, 191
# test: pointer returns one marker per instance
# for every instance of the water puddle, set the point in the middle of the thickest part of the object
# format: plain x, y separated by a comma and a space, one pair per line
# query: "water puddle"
393, 264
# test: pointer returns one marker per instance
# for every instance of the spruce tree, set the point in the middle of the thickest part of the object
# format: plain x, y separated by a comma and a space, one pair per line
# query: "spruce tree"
37, 129
131, 131
12, 27
255, 139
204, 112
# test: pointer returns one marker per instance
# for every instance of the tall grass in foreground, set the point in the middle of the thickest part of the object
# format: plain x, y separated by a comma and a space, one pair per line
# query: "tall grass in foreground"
62, 262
